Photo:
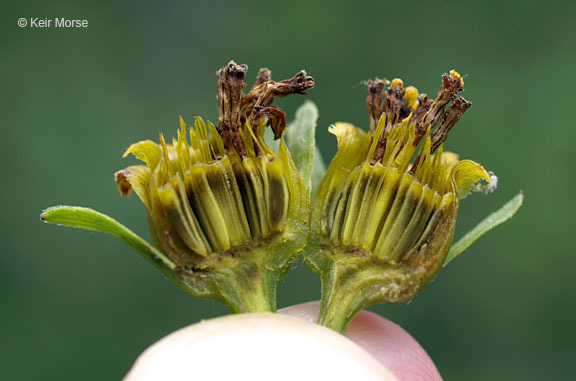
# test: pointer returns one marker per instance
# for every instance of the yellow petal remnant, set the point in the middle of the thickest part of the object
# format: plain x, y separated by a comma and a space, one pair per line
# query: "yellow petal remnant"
136, 177
384, 214
467, 174
147, 151
219, 200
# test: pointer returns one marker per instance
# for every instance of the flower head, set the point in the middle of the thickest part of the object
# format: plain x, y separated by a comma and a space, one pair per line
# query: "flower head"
217, 194
229, 215
390, 197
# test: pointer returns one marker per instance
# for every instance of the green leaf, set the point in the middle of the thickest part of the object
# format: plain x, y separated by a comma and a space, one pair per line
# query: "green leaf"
301, 141
498, 217
89, 219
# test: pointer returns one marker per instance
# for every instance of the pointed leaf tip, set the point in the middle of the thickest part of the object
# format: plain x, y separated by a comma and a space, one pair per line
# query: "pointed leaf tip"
89, 219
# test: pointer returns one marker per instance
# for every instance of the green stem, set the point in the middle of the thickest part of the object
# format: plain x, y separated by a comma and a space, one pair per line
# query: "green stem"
343, 297
247, 288
355, 282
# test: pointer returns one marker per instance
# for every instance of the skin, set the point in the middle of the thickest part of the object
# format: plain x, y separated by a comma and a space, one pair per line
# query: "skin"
384, 340
285, 346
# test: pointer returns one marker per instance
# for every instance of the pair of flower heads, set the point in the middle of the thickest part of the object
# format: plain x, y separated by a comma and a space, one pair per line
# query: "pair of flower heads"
229, 211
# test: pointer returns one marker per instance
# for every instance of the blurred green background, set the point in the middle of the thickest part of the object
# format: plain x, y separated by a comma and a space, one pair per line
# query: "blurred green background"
79, 305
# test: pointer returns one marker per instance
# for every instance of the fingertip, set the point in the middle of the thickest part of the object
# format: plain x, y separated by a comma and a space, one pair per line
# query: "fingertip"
305, 311
393, 346
383, 339
256, 347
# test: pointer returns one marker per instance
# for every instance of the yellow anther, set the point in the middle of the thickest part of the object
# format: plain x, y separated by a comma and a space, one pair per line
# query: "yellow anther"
411, 94
397, 82
455, 75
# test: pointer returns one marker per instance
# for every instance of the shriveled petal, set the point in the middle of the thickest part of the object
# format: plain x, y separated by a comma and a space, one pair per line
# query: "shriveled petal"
467, 174
352, 142
353, 145
136, 177
147, 151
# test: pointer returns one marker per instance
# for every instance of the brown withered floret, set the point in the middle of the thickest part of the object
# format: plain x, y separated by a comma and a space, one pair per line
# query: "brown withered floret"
392, 102
236, 108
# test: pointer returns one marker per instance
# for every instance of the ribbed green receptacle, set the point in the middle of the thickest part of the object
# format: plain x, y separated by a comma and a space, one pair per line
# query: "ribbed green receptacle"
352, 280
246, 281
